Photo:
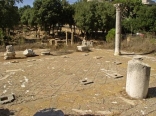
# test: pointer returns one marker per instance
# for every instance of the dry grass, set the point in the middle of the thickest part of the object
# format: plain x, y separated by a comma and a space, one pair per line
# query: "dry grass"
132, 44
139, 44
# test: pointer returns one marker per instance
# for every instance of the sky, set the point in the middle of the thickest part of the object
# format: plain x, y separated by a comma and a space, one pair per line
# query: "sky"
30, 2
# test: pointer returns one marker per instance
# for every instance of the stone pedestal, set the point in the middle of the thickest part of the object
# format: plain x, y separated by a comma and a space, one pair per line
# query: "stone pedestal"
138, 76
118, 29
10, 52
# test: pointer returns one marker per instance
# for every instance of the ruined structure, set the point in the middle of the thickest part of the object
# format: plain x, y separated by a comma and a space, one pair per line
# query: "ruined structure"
138, 76
118, 29
10, 52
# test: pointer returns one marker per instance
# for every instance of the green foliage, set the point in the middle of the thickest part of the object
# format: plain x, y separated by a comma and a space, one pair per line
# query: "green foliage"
143, 20
67, 13
22, 9
9, 16
48, 12
1, 37
111, 35
94, 16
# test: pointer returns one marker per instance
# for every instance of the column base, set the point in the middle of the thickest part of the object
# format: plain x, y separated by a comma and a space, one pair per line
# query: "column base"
117, 53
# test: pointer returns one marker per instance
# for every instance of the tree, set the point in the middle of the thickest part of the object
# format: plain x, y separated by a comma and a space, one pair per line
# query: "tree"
26, 15
49, 12
85, 16
146, 18
94, 16
105, 14
9, 14
22, 9
67, 13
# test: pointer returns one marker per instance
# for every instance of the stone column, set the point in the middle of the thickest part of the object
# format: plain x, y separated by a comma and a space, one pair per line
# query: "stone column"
66, 37
138, 76
118, 29
72, 37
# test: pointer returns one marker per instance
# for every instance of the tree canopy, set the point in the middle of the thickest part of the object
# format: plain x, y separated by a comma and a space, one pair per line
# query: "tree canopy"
87, 16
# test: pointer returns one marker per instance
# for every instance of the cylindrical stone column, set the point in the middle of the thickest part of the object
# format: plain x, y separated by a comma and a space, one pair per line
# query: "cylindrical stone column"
138, 76
66, 37
72, 37
118, 29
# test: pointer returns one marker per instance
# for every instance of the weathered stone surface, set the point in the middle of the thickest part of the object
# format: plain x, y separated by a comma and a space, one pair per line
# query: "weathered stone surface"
10, 52
138, 76
29, 53
118, 29
9, 48
87, 43
6, 99
45, 53
82, 48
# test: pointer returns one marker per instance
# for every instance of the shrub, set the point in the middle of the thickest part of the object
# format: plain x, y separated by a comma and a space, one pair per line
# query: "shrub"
110, 37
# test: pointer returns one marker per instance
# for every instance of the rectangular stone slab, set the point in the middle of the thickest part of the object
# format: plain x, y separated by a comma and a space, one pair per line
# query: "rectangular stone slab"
7, 99
115, 75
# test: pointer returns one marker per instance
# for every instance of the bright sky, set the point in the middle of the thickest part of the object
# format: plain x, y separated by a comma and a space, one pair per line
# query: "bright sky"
30, 2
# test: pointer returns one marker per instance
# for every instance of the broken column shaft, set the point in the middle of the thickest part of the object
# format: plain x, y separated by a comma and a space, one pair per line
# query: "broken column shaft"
138, 76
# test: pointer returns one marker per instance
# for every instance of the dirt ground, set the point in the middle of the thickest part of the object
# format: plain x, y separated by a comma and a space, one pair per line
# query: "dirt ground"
77, 83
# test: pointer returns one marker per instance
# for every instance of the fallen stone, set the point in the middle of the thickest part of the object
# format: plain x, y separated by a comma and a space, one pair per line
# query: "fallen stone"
65, 56
104, 112
138, 58
45, 53
82, 112
86, 81
131, 102
15, 61
115, 76
97, 57
10, 54
7, 99
85, 54
14, 70
29, 53
82, 48
117, 63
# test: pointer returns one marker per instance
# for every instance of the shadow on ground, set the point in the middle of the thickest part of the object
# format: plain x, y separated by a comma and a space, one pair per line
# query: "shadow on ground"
151, 92
49, 112
6, 112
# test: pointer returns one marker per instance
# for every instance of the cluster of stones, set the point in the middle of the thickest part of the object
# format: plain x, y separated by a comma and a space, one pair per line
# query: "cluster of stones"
10, 52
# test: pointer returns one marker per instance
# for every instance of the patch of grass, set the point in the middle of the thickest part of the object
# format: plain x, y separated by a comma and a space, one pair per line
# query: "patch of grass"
139, 44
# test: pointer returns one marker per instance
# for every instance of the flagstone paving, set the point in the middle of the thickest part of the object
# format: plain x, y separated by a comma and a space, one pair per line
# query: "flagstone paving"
77, 84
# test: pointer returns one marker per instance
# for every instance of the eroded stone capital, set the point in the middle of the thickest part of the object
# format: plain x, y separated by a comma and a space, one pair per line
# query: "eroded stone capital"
118, 6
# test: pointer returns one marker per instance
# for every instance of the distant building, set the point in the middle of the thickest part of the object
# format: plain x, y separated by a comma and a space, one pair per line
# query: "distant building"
148, 2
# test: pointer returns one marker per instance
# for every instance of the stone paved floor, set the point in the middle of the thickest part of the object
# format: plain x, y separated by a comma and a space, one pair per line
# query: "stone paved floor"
55, 81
